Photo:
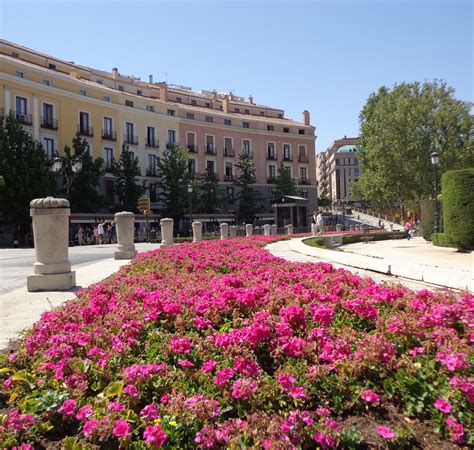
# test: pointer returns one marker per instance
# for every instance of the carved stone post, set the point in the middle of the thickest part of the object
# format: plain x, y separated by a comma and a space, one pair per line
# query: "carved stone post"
248, 229
52, 269
224, 230
124, 222
266, 229
289, 229
167, 232
197, 231
233, 231
273, 229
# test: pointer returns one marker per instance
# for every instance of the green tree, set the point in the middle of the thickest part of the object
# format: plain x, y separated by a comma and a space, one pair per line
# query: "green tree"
399, 129
174, 178
209, 198
126, 170
284, 184
25, 171
81, 188
246, 196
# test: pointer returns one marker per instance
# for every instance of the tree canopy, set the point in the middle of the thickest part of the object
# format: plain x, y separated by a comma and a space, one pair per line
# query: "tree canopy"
246, 196
284, 184
400, 127
209, 198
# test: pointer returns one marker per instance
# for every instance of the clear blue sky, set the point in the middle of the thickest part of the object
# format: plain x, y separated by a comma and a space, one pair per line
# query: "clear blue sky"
324, 56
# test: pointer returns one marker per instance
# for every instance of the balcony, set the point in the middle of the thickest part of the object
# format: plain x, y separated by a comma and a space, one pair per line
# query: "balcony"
130, 139
193, 148
229, 151
153, 143
211, 150
109, 135
24, 118
169, 145
228, 177
271, 157
287, 158
271, 180
85, 130
303, 158
304, 181
49, 122
151, 172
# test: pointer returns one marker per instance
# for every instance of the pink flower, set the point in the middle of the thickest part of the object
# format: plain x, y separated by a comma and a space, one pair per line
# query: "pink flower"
223, 376
456, 430
85, 412
208, 366
443, 405
297, 392
89, 427
385, 432
244, 388
115, 407
68, 408
180, 345
121, 428
149, 412
154, 435
186, 363
369, 396
293, 316
131, 390
416, 351
286, 381
324, 440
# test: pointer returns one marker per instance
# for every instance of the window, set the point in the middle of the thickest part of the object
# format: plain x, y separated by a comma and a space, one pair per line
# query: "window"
228, 170
152, 165
83, 92
303, 174
190, 116
109, 191
237, 110
46, 82
52, 66
20, 74
228, 147
245, 125
210, 144
286, 152
271, 150
152, 191
139, 92
227, 122
301, 131
304, 193
209, 119
109, 157
286, 130
247, 111
210, 167
191, 166
48, 115
171, 137
106, 98
150, 108
230, 193
15, 55
193, 102
269, 127
107, 126
150, 137
190, 139
208, 105
280, 116
84, 127
356, 172
262, 113
271, 172
178, 99
171, 112
302, 157
246, 145
129, 132
120, 88
288, 170
48, 145
129, 103
99, 81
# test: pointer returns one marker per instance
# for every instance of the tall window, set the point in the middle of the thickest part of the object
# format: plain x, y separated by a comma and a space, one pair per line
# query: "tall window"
109, 157
271, 150
150, 136
171, 137
190, 139
192, 166
227, 122
210, 166
84, 126
228, 147
107, 126
303, 174
271, 172
129, 132
210, 144
48, 113
245, 125
152, 165
21, 105
152, 190
48, 145
246, 145
228, 170
287, 152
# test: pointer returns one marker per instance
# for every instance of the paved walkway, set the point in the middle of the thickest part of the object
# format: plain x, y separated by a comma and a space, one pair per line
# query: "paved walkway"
414, 260
374, 221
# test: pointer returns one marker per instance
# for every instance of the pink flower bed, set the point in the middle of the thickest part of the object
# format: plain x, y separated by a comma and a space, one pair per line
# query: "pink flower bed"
220, 344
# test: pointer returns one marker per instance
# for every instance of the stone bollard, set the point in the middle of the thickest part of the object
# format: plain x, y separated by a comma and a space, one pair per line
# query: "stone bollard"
125, 233
266, 229
166, 232
52, 269
273, 229
338, 227
289, 229
233, 231
248, 229
224, 231
256, 230
197, 231
351, 227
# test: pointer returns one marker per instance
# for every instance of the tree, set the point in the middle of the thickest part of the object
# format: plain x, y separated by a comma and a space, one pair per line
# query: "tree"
284, 184
174, 178
82, 194
25, 171
209, 198
246, 195
126, 170
399, 129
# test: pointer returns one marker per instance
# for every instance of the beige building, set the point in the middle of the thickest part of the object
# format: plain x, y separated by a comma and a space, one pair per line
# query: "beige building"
336, 169
54, 99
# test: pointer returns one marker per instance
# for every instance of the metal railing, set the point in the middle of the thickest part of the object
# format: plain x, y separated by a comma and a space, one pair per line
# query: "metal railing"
154, 143
109, 135
130, 139
193, 148
85, 130
229, 151
49, 122
24, 118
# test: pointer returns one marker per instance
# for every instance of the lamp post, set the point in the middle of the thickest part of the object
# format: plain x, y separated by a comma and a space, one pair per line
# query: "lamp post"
435, 162
190, 192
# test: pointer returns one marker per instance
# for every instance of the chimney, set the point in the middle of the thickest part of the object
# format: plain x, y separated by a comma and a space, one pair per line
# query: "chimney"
250, 99
226, 104
115, 73
163, 92
150, 78
306, 118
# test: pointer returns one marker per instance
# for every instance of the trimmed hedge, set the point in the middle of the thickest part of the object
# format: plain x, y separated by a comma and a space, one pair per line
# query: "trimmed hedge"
360, 237
440, 240
427, 218
458, 207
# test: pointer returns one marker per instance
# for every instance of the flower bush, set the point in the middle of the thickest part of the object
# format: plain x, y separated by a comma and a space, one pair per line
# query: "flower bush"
220, 344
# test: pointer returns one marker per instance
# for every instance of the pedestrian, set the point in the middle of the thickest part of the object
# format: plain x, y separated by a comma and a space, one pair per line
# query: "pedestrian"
101, 231
112, 237
313, 223
80, 235
382, 224
319, 223
408, 229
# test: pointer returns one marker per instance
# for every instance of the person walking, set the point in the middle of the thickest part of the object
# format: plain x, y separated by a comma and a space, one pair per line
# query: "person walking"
313, 223
80, 235
408, 229
319, 223
101, 231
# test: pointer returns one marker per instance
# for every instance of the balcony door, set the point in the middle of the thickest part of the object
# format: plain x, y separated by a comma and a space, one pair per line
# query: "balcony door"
84, 122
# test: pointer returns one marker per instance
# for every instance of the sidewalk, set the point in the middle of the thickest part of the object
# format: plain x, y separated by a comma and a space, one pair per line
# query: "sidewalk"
374, 221
20, 309
414, 260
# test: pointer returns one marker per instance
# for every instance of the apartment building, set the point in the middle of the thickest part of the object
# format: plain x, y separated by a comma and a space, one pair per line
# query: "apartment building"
336, 168
54, 99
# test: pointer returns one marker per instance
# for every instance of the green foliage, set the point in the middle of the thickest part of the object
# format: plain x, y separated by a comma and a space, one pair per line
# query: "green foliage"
25, 171
440, 240
81, 188
427, 218
174, 177
399, 128
458, 208
357, 237
351, 438
284, 184
324, 202
209, 198
247, 197
126, 170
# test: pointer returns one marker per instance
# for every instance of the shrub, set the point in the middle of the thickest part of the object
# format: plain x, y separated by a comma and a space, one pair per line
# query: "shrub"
358, 237
440, 240
458, 207
427, 218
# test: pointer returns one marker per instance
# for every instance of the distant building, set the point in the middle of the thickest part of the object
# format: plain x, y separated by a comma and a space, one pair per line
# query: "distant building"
336, 168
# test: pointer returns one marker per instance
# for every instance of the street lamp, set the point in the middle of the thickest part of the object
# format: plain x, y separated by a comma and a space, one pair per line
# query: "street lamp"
435, 162
76, 167
190, 192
